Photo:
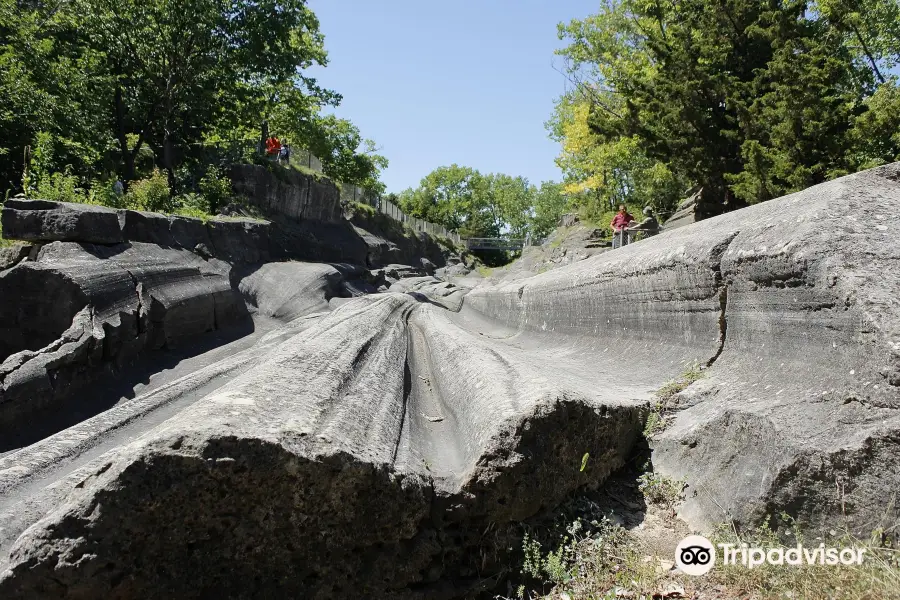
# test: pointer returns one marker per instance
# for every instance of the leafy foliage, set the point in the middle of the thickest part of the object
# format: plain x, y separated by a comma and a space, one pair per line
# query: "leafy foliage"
749, 99
477, 205
120, 88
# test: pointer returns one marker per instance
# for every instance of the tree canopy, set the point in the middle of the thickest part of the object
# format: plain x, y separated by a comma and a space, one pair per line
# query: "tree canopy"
751, 99
478, 205
176, 84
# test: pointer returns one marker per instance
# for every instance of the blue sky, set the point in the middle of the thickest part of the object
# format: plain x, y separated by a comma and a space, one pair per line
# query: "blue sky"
433, 83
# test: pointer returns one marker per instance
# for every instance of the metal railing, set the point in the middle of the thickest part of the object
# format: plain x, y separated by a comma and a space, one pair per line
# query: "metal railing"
495, 243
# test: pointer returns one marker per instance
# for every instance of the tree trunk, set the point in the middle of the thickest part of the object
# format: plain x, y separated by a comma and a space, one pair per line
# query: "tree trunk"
128, 157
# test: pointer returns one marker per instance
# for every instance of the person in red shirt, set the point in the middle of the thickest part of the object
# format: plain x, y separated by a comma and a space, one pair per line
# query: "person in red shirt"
273, 146
619, 225
621, 220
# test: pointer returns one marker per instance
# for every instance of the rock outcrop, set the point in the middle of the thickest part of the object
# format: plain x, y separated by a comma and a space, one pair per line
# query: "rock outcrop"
387, 445
792, 304
79, 310
364, 457
288, 192
232, 240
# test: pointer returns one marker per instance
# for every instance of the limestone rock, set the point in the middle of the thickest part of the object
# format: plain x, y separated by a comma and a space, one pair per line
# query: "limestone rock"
137, 297
318, 473
42, 220
791, 303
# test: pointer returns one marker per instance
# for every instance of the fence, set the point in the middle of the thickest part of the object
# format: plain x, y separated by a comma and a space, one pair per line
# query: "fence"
386, 207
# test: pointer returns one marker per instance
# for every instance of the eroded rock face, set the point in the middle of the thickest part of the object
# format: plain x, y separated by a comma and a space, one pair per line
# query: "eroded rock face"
364, 452
288, 192
347, 463
42, 220
793, 304
78, 308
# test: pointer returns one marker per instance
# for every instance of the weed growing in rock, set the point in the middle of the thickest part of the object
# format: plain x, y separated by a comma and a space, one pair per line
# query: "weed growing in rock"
660, 490
877, 577
601, 559
666, 396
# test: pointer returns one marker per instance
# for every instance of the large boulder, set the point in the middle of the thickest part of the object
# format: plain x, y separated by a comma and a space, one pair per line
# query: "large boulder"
42, 220
288, 290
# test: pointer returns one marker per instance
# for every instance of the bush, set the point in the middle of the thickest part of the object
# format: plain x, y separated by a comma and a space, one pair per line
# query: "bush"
150, 194
59, 187
215, 187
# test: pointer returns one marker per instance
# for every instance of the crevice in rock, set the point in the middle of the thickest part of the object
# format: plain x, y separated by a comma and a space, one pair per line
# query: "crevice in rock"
407, 390
716, 255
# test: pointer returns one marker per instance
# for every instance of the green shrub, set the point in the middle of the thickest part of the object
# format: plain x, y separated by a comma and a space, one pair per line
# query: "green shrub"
660, 490
59, 187
215, 187
150, 194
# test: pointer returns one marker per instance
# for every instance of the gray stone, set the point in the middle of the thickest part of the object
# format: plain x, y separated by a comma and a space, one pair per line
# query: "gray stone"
151, 228
286, 291
322, 471
288, 192
12, 255
240, 240
189, 232
791, 303
138, 297
41, 220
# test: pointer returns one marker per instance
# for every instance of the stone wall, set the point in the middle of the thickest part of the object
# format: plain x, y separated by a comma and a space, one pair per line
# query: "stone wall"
288, 192
231, 240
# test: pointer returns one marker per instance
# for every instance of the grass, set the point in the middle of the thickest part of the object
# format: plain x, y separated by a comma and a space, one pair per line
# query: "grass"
485, 271
666, 398
596, 558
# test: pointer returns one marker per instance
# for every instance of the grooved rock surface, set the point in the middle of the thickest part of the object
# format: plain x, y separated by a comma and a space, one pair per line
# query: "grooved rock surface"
794, 304
78, 308
285, 291
350, 462
389, 447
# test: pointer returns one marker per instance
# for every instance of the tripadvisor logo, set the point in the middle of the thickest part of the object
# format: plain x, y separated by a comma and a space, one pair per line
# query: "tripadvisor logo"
696, 555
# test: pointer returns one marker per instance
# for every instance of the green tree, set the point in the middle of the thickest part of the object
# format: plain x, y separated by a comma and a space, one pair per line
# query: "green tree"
746, 97
550, 204
182, 67
456, 198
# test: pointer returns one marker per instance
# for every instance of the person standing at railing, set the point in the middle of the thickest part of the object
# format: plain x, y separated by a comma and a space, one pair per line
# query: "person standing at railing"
650, 226
619, 223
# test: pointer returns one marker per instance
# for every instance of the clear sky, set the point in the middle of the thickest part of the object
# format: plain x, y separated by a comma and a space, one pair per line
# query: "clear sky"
433, 83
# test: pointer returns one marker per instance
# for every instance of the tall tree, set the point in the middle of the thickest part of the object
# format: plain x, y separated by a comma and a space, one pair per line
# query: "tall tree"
746, 97
179, 66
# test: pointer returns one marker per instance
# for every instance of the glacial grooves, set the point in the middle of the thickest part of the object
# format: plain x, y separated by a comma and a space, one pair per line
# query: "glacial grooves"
388, 444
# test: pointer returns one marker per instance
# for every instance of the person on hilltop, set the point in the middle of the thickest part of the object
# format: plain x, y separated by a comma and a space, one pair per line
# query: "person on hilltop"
619, 223
650, 225
273, 147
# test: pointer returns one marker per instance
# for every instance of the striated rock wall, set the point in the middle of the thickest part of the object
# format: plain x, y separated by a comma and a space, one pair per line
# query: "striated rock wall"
363, 457
79, 310
231, 240
288, 192
792, 305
